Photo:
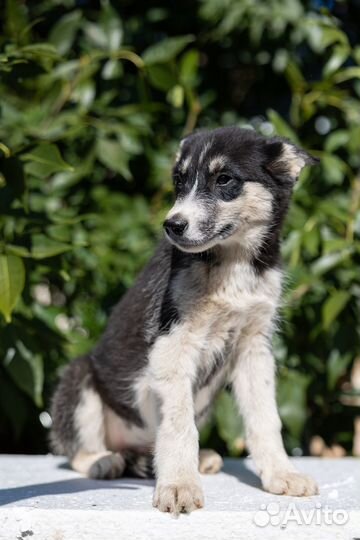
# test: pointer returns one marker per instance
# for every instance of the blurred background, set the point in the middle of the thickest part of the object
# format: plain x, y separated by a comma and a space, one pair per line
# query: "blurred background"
94, 98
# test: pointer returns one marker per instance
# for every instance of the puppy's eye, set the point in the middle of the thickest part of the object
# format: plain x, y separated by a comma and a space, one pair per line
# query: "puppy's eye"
223, 179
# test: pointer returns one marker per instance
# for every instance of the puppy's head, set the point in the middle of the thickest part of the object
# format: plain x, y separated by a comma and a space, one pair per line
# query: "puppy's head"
232, 186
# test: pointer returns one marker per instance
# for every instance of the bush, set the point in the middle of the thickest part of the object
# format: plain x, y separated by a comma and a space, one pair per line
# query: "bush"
94, 99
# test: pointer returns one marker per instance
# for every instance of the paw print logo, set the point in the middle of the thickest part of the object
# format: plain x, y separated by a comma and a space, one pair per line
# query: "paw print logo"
273, 510
268, 514
261, 518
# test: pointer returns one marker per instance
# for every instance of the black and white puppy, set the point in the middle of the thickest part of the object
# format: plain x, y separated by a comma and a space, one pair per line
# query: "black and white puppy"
201, 315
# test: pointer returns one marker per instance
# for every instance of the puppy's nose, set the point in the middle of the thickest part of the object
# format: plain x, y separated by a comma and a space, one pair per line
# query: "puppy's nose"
176, 225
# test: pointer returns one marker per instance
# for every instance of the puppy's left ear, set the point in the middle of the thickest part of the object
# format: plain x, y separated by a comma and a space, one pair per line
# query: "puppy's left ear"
286, 160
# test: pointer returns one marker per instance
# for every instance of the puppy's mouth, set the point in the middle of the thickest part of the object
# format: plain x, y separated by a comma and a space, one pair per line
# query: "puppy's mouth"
197, 246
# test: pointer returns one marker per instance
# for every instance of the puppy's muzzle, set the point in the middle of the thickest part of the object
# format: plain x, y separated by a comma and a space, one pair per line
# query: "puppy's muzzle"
176, 226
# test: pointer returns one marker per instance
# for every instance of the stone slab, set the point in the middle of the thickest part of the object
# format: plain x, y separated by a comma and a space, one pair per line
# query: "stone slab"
42, 499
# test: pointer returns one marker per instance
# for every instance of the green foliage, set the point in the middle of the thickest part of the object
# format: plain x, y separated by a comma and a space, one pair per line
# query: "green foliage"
12, 277
94, 100
229, 424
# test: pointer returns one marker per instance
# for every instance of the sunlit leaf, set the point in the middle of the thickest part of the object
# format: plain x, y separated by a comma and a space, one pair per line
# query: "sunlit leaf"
336, 139
176, 96
26, 370
12, 280
339, 55
336, 367
282, 128
44, 160
112, 155
189, 65
333, 306
334, 168
44, 247
166, 49
291, 397
329, 261
63, 32
346, 74
40, 51
229, 422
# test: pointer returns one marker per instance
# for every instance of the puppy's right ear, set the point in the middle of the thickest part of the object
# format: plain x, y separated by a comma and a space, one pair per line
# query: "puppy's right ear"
286, 160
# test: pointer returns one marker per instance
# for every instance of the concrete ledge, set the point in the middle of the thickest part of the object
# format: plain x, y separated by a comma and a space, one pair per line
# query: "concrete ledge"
41, 498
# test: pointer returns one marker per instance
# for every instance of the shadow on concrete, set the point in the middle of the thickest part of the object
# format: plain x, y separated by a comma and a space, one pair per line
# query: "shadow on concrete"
65, 465
72, 485
233, 467
239, 469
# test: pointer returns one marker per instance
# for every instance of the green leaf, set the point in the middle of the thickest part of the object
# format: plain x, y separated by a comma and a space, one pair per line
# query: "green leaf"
329, 261
189, 65
282, 128
229, 422
15, 19
107, 32
166, 50
20, 251
40, 51
35, 362
346, 74
96, 35
336, 139
336, 367
63, 32
334, 168
162, 76
44, 160
294, 76
176, 96
333, 306
27, 371
112, 26
321, 34
291, 397
111, 70
84, 93
338, 57
12, 280
44, 247
112, 155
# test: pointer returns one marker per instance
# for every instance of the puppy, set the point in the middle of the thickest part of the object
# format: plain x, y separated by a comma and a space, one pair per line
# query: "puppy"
200, 315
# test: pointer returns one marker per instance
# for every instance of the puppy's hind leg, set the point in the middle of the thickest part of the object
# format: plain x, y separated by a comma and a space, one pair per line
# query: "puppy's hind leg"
92, 458
99, 465
210, 462
78, 429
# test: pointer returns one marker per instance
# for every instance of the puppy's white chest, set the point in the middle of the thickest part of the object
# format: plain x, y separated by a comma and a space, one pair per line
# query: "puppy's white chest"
234, 287
242, 298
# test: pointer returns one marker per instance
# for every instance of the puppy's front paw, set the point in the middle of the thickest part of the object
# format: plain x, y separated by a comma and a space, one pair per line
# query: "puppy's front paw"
290, 483
176, 498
